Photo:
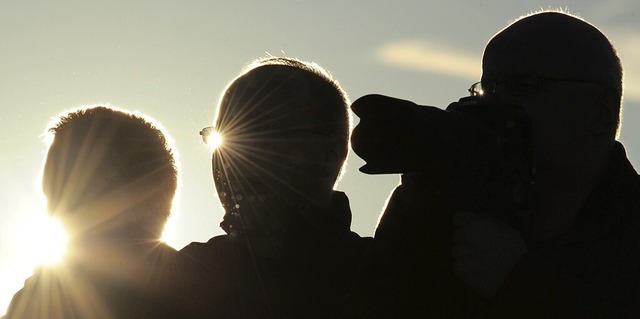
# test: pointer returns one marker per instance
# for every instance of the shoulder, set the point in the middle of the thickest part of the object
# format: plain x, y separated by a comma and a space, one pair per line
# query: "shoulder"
351, 245
33, 298
199, 251
18, 303
358, 240
162, 252
195, 247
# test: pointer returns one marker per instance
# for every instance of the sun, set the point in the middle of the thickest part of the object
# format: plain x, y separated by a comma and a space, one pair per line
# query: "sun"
43, 240
56, 246
211, 137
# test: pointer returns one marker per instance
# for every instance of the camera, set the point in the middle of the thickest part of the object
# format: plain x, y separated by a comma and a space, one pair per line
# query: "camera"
479, 146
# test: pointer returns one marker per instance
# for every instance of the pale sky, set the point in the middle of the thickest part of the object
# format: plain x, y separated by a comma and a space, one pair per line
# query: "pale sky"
172, 59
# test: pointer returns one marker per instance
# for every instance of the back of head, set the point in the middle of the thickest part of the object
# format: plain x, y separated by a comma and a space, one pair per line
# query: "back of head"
109, 169
285, 125
267, 90
284, 93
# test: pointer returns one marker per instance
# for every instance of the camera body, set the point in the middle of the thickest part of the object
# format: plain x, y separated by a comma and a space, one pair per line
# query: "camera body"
504, 180
479, 146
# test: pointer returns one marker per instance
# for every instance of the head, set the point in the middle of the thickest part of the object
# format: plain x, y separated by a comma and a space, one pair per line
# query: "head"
109, 173
566, 76
285, 126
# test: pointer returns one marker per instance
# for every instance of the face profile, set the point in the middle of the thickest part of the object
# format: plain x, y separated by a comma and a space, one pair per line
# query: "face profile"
284, 143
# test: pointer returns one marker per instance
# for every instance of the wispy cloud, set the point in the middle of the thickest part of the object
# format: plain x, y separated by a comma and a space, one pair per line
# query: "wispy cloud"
431, 57
425, 56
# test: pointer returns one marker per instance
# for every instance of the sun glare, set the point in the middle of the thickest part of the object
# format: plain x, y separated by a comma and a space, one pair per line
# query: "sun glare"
214, 140
44, 241
56, 247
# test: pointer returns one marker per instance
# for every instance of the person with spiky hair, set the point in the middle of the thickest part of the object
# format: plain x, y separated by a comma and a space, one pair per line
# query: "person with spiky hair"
289, 251
109, 177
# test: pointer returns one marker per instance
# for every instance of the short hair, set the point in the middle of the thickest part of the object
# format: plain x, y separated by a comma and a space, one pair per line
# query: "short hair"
309, 67
326, 89
274, 80
98, 150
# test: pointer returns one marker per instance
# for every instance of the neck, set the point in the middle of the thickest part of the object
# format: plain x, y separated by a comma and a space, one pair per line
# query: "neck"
561, 194
557, 208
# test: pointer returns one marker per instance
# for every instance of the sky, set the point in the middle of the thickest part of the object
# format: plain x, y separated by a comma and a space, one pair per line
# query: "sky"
171, 60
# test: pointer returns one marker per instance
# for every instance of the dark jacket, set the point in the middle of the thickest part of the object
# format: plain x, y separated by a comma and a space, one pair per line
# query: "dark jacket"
307, 276
591, 271
131, 287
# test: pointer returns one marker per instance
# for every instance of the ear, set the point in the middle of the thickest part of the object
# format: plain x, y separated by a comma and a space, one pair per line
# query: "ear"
608, 114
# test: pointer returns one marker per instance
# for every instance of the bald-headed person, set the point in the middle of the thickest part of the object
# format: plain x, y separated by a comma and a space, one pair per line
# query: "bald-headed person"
574, 251
577, 251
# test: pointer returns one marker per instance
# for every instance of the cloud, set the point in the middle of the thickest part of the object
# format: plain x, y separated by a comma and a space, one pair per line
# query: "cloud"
424, 56
429, 57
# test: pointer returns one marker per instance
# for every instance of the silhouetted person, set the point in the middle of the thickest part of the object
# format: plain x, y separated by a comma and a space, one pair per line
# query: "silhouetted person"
576, 252
110, 178
289, 251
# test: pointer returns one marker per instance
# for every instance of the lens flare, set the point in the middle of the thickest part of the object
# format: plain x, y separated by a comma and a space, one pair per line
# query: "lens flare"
56, 247
213, 139
43, 240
